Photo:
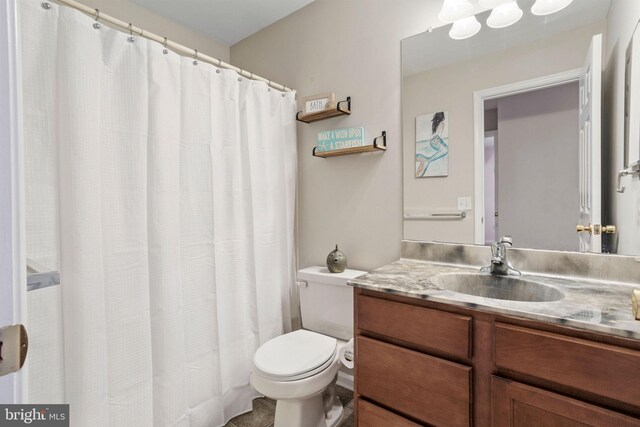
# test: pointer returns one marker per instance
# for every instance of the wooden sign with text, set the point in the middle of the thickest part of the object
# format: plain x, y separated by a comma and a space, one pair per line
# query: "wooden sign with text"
318, 103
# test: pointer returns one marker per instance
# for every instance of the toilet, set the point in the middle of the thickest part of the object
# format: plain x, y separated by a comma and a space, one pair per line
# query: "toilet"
299, 369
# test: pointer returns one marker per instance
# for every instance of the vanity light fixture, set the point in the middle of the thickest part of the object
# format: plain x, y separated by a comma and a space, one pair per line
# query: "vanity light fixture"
455, 10
465, 28
505, 15
547, 7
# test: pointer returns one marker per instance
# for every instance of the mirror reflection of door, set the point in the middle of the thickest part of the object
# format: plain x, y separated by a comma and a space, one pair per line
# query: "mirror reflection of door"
590, 99
536, 197
490, 190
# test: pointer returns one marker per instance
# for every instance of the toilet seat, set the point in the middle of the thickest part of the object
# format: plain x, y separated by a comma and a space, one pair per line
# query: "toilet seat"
294, 356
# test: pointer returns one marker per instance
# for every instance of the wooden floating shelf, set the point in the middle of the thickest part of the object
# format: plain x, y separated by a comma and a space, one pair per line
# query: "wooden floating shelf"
345, 151
326, 114
355, 150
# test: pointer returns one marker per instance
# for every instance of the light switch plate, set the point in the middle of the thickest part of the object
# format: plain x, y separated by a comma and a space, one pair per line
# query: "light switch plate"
464, 204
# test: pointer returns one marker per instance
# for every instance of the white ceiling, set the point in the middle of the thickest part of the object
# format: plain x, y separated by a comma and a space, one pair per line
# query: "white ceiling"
227, 21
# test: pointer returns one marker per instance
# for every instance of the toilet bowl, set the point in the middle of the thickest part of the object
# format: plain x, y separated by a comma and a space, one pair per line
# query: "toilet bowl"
299, 369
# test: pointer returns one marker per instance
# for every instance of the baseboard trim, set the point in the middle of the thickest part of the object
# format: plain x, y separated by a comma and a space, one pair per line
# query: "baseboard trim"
345, 380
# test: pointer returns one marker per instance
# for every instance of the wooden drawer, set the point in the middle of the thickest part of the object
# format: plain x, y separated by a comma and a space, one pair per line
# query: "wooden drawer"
594, 367
370, 415
429, 389
443, 332
518, 405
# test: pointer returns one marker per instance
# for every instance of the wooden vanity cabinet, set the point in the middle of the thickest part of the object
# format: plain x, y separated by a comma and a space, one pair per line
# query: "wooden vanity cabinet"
425, 363
372, 415
516, 404
589, 366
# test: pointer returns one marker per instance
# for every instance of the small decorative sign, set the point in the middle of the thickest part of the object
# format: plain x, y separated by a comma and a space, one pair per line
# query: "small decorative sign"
318, 103
338, 139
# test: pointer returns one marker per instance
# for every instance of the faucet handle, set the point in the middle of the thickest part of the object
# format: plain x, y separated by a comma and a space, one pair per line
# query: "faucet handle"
506, 240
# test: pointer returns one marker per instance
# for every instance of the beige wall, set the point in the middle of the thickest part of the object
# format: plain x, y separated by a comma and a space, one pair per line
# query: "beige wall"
623, 209
350, 48
451, 89
144, 18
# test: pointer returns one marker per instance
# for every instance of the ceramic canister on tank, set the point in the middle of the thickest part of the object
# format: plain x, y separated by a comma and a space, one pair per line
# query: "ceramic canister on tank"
336, 261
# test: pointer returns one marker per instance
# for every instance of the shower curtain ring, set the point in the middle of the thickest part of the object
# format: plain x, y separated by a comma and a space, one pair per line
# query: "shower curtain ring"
195, 57
165, 50
131, 38
269, 86
96, 25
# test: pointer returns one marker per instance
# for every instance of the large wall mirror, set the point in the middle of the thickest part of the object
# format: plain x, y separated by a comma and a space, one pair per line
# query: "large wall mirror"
521, 131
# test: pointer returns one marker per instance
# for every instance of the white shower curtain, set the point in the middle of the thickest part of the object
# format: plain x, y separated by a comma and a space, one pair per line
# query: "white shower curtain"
172, 192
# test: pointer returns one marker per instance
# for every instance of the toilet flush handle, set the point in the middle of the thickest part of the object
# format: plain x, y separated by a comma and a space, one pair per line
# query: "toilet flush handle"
302, 283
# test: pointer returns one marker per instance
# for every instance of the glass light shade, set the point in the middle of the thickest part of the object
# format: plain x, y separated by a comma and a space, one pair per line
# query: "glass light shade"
454, 10
547, 7
490, 4
505, 15
465, 28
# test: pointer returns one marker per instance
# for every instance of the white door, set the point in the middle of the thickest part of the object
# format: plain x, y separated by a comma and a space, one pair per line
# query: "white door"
13, 285
590, 133
490, 188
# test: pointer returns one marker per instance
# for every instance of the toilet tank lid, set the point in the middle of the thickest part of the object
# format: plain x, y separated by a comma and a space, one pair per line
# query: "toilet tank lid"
318, 274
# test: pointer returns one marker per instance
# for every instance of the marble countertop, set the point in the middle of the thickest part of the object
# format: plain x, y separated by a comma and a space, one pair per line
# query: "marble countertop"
590, 305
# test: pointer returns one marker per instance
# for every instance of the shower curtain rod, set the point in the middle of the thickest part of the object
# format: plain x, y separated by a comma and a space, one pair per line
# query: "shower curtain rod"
176, 47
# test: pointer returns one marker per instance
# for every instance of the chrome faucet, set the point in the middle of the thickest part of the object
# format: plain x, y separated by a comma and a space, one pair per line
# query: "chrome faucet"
499, 264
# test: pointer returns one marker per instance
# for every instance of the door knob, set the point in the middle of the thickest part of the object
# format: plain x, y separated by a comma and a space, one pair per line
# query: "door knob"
596, 229
581, 228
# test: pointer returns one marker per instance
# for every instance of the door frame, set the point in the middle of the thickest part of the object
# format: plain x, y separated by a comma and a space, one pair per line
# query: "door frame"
491, 134
13, 282
479, 97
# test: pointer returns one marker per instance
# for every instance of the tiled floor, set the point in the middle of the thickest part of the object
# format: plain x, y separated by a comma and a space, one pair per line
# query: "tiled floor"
264, 411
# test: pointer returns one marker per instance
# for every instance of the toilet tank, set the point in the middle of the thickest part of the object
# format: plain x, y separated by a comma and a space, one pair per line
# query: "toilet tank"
326, 301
